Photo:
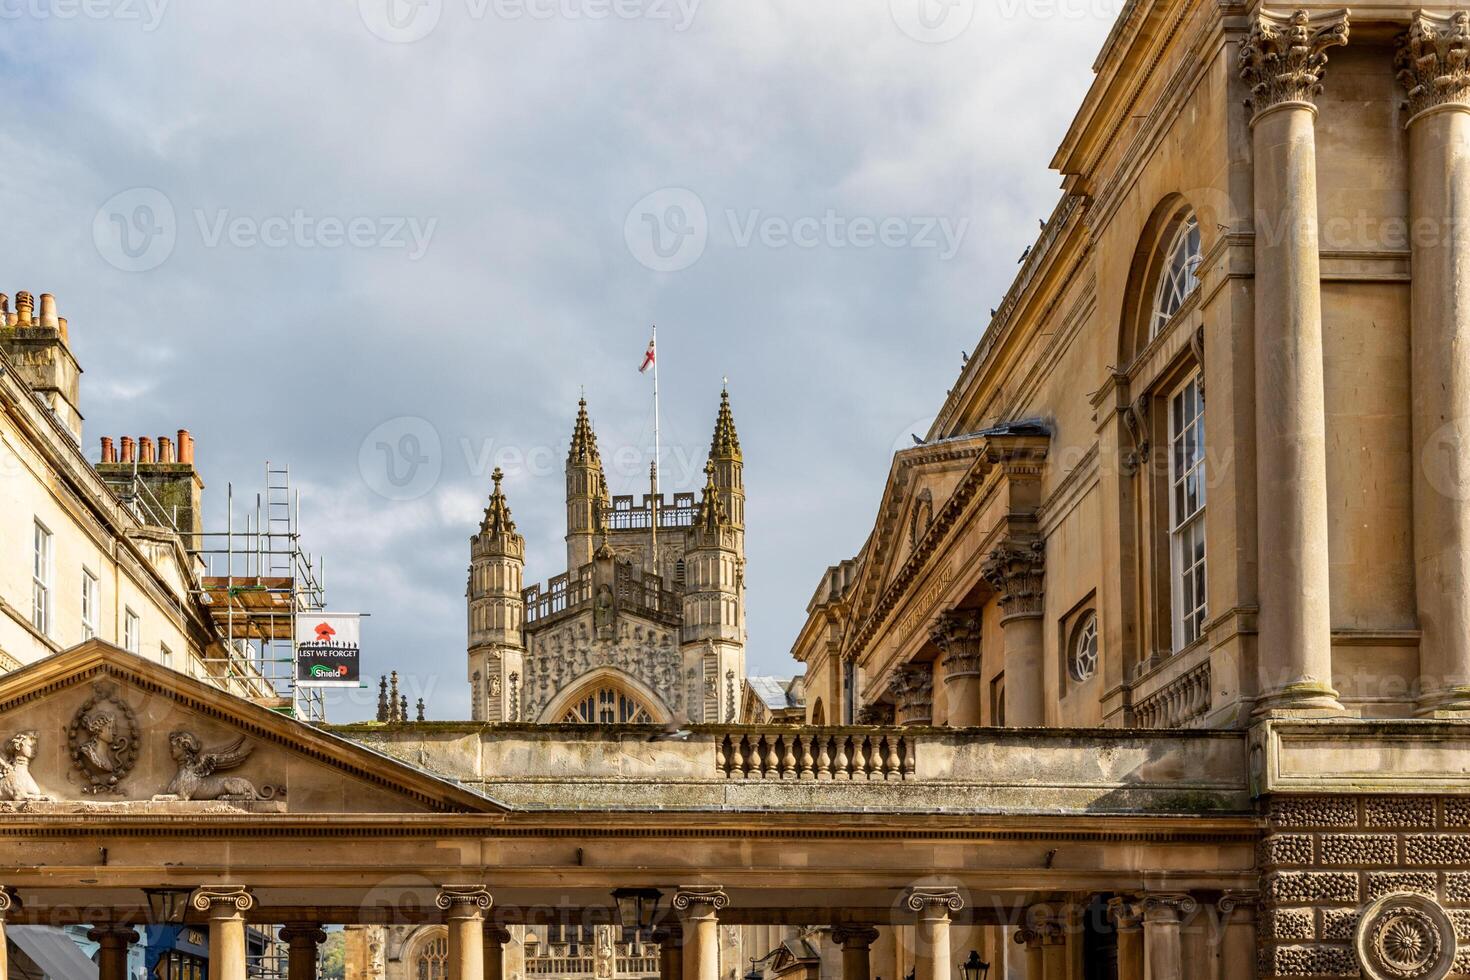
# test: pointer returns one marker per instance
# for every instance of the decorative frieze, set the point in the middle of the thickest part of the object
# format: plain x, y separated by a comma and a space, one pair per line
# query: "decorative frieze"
103, 740
16, 782
1432, 60
1285, 55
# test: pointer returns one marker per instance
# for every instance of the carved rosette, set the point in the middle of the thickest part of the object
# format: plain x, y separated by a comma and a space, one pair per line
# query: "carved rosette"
1432, 60
913, 694
934, 902
957, 634
699, 901
1285, 55
463, 901
1017, 571
851, 936
1405, 936
222, 900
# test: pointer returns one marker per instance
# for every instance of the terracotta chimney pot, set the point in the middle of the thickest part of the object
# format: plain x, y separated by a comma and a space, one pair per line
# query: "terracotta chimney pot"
48, 311
186, 447
145, 449
127, 449
109, 454
165, 449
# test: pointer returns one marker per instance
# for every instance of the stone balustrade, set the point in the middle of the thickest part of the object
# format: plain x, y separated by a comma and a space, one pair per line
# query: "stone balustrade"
787, 754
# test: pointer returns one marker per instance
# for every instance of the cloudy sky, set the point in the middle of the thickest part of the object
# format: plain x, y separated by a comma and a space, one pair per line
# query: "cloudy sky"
388, 242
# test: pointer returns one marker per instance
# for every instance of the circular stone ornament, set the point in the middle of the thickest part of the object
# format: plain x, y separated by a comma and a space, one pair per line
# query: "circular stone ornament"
1405, 937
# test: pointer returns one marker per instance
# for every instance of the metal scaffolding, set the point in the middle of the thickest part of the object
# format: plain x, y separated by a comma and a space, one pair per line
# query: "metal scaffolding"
256, 580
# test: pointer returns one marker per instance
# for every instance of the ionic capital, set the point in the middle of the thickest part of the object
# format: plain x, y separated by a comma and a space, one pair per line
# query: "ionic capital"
1017, 572
698, 901
464, 901
1285, 55
934, 902
957, 633
496, 934
114, 935
1166, 908
1241, 899
222, 901
1027, 936
302, 934
850, 936
1126, 913
1431, 61
8, 901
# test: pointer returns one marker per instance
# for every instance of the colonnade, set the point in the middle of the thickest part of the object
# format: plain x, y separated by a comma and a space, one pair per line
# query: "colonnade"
1149, 936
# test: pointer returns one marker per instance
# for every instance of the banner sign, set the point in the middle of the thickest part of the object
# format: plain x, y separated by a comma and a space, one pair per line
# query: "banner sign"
327, 649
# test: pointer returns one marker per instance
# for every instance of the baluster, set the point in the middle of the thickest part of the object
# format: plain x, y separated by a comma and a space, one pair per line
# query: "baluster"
909, 763
840, 761
806, 759
720, 756
788, 760
824, 760
860, 758
737, 759
773, 762
892, 765
873, 751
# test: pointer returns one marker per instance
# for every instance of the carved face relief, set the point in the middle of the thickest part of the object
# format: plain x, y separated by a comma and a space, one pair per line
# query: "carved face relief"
1405, 937
103, 740
16, 782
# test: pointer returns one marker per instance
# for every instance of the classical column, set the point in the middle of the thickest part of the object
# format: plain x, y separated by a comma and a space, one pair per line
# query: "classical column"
1031, 939
302, 940
496, 936
1017, 571
957, 634
1127, 918
1432, 65
670, 939
113, 940
931, 930
226, 906
1053, 949
1283, 60
464, 909
699, 907
856, 942
1162, 915
1236, 942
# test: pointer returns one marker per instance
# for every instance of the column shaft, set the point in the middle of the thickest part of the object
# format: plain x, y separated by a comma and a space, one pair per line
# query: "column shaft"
464, 909
698, 908
670, 953
301, 950
856, 942
1127, 918
931, 946
1291, 422
226, 944
495, 939
1017, 572
112, 950
1439, 206
1162, 949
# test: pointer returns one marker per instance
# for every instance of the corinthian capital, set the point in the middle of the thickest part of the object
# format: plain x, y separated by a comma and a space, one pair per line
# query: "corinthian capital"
1285, 55
1432, 59
957, 633
1017, 571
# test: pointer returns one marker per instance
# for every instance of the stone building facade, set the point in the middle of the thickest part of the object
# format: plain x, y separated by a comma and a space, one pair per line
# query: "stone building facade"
647, 625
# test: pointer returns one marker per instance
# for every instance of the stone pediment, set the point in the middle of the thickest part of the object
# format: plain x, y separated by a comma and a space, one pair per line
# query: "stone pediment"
98, 729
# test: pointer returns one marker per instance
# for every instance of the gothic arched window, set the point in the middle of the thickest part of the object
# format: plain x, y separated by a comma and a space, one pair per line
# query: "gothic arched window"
607, 706
432, 961
1178, 275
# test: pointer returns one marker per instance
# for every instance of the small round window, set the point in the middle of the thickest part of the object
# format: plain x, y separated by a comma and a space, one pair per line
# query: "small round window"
1084, 649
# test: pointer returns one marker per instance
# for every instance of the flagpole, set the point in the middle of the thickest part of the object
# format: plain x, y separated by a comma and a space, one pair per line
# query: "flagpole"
657, 569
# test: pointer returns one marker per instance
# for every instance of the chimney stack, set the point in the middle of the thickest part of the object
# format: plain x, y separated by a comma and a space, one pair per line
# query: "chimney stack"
165, 449
166, 468
109, 454
43, 359
127, 450
145, 450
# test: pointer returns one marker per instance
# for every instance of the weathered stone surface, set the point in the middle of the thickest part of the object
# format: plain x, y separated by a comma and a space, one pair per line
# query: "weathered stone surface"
1359, 849
1290, 924
1319, 811
1312, 961
1399, 811
1338, 924
1287, 849
1309, 887
1382, 883
1437, 849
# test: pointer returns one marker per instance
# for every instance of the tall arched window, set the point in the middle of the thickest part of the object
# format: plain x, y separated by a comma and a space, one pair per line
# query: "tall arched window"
432, 961
607, 706
1178, 274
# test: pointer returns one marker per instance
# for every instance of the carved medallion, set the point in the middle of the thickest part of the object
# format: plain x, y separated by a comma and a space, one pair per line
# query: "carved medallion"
103, 739
1405, 937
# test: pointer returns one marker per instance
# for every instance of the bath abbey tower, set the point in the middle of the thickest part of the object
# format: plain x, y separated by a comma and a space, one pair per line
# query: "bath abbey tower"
647, 624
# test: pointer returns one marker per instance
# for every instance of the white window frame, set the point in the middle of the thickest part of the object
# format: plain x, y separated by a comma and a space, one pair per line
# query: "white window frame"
43, 577
1188, 569
165, 655
132, 631
91, 602
1178, 276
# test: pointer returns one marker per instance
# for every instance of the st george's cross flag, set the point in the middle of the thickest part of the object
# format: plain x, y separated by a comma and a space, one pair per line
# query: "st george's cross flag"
648, 358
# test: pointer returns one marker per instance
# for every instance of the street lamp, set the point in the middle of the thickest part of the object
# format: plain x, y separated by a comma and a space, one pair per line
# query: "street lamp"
167, 906
637, 907
974, 968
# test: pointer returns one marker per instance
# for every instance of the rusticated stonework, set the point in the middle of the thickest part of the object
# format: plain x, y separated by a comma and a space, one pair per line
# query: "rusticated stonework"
1365, 887
1432, 60
1284, 57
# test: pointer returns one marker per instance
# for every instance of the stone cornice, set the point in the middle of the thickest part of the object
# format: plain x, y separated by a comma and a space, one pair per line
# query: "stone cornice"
1432, 61
1284, 57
